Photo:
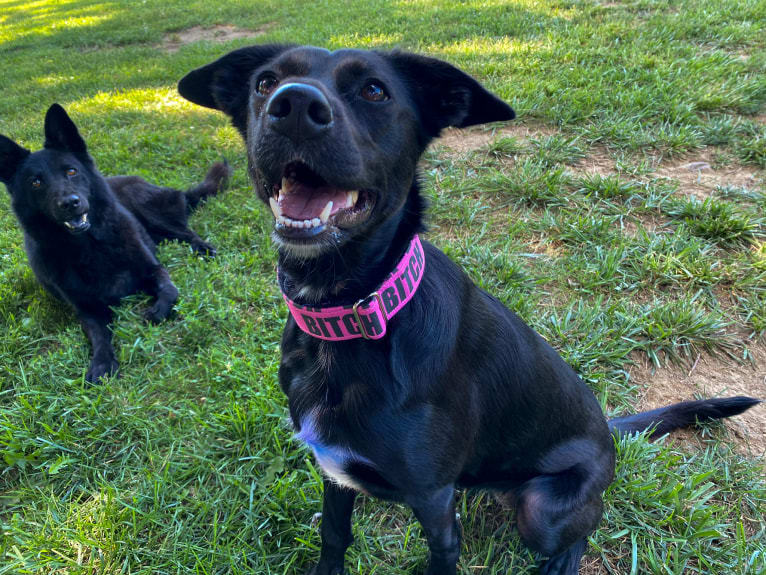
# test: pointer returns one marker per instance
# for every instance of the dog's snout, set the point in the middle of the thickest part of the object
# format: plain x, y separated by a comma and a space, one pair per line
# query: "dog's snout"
70, 202
299, 111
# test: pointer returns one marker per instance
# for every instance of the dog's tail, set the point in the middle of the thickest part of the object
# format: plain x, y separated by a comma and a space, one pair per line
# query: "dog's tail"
665, 419
216, 179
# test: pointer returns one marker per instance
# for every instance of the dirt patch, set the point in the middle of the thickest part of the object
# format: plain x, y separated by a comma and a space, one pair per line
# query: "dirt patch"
699, 175
598, 161
711, 377
219, 34
462, 141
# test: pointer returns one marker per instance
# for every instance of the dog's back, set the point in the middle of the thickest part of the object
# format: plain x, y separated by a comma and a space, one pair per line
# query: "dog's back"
164, 212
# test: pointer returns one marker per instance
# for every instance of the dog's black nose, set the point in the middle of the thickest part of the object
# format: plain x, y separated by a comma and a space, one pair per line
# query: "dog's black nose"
299, 111
70, 202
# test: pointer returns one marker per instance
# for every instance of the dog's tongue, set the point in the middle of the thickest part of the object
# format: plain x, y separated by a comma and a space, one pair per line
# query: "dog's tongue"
300, 201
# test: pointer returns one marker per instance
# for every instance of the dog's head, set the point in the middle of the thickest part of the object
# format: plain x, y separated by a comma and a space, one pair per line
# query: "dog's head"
333, 138
53, 183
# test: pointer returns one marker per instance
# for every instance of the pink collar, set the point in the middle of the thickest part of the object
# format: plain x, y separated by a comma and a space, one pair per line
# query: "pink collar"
368, 317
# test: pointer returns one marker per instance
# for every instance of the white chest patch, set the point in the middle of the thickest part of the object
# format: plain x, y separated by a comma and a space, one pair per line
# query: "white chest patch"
333, 459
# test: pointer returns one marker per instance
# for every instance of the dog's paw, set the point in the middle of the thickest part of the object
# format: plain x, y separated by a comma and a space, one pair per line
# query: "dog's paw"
157, 313
319, 569
204, 249
101, 368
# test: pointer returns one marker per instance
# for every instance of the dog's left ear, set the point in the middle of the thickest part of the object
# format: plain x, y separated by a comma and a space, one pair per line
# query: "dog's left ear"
447, 96
61, 132
11, 156
225, 84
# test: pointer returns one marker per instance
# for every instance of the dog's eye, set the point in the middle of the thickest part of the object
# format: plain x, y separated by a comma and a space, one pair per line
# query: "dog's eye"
36, 182
266, 84
71, 172
374, 93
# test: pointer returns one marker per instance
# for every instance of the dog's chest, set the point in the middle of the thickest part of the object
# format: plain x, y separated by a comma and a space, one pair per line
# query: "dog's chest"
334, 459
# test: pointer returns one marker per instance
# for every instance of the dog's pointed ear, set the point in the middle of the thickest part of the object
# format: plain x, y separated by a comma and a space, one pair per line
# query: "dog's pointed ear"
447, 96
225, 84
11, 156
61, 132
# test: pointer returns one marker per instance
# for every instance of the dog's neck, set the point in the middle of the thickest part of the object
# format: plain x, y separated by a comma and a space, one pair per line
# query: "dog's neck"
359, 267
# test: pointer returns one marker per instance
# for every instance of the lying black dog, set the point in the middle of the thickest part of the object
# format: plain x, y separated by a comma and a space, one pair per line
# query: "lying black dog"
91, 240
407, 383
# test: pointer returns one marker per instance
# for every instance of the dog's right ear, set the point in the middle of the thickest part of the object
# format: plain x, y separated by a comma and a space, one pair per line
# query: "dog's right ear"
225, 84
61, 132
11, 156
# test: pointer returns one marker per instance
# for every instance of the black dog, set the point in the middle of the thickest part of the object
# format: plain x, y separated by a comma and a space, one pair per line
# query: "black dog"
454, 389
90, 240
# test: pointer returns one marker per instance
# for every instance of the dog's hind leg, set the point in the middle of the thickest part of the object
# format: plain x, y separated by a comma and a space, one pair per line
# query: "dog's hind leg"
557, 510
161, 287
96, 327
436, 513
337, 506
566, 562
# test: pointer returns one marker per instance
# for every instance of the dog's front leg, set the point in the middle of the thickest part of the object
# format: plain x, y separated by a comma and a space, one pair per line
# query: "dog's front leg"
96, 327
161, 287
436, 513
337, 505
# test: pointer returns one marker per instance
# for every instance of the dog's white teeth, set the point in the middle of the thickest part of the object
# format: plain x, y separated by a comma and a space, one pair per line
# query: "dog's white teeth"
275, 208
85, 217
70, 226
301, 224
351, 198
325, 213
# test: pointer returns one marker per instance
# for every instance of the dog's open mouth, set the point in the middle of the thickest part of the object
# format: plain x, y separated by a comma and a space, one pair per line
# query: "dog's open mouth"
79, 224
304, 204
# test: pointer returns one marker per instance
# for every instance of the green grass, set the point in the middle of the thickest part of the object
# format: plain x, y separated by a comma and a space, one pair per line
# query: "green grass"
186, 463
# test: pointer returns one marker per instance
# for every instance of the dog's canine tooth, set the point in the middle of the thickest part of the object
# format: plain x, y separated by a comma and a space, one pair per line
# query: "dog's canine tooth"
325, 212
285, 186
351, 198
275, 208
70, 226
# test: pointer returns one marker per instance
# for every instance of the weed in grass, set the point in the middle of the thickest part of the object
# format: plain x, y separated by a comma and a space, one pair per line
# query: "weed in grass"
676, 259
585, 228
679, 329
718, 220
526, 182
506, 147
753, 310
607, 187
601, 269
720, 130
752, 150
742, 194
557, 149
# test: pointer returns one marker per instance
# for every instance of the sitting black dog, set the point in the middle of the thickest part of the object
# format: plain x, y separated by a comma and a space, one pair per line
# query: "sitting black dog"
407, 383
91, 240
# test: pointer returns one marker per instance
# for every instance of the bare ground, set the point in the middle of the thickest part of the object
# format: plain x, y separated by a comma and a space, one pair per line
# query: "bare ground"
467, 140
221, 33
699, 174
711, 377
